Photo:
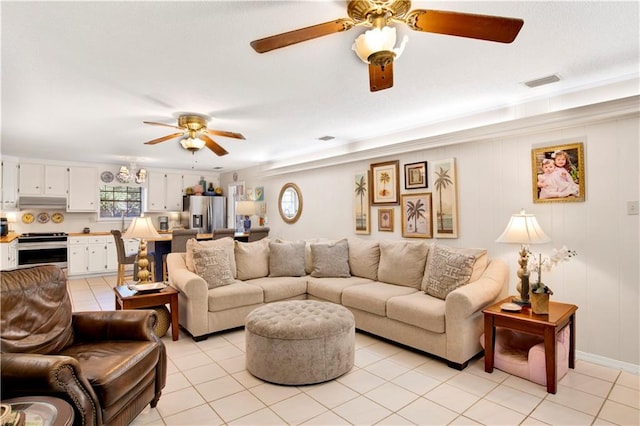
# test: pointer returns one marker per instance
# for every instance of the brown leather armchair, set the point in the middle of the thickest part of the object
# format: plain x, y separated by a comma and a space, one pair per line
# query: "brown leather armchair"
108, 365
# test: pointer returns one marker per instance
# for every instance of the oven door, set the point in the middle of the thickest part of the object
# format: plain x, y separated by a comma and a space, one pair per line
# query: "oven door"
42, 253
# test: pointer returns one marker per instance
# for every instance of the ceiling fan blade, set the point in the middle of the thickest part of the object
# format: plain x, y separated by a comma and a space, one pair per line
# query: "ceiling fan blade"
225, 134
164, 138
303, 34
482, 27
380, 77
213, 146
153, 123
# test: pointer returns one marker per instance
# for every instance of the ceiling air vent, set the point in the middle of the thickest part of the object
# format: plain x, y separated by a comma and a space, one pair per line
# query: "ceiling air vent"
553, 78
326, 138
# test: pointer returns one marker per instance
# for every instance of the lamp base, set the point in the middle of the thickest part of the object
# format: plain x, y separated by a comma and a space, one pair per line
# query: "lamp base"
247, 224
519, 301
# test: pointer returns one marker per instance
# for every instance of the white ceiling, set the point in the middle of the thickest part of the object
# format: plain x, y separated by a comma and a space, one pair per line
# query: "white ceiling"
79, 78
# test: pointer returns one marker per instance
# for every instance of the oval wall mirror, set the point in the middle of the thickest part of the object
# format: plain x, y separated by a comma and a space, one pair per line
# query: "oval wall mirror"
290, 203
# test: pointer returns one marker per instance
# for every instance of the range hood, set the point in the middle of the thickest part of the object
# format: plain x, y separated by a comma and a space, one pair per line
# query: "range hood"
35, 202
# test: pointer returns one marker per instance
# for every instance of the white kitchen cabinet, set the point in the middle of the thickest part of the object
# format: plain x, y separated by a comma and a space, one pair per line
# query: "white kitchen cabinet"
164, 192
83, 189
9, 253
9, 184
91, 255
42, 179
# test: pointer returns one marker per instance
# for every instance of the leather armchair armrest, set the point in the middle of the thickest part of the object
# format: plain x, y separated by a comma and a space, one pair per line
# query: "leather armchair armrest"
55, 375
114, 325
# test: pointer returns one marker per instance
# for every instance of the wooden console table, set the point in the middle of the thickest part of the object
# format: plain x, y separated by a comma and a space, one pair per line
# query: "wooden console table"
548, 326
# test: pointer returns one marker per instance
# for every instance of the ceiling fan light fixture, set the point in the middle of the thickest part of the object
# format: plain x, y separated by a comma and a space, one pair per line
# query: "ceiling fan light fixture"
378, 43
192, 144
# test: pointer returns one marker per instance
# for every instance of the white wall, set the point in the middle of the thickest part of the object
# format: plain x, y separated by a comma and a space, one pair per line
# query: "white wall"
494, 174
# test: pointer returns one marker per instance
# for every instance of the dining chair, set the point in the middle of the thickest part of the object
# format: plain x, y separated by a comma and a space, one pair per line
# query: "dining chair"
223, 232
258, 233
179, 239
124, 260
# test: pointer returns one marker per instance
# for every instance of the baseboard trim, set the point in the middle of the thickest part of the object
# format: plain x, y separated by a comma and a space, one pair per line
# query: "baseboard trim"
608, 362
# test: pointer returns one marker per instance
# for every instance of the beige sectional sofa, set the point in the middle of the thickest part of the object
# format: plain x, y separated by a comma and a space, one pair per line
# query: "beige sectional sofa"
424, 295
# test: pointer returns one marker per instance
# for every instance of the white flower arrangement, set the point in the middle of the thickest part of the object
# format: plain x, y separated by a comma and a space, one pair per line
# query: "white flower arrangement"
546, 262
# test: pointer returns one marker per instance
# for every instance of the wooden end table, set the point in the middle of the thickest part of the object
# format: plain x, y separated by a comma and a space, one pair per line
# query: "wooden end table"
131, 299
548, 326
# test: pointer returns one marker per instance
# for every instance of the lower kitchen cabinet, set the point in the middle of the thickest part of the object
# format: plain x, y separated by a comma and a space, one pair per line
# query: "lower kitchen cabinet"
91, 255
9, 253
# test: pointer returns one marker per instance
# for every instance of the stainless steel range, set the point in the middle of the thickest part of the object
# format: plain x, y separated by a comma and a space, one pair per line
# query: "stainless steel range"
42, 248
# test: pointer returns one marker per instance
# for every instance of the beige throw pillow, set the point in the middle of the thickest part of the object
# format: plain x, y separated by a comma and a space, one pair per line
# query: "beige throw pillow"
330, 260
402, 262
286, 259
364, 258
212, 264
252, 259
226, 243
450, 268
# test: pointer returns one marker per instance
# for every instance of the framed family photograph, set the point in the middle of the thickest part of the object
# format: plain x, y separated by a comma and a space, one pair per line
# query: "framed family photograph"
385, 220
415, 175
445, 203
361, 206
385, 188
558, 173
416, 215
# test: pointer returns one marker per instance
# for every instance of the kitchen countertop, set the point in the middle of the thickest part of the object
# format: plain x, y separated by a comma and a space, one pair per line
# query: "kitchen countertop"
164, 236
9, 237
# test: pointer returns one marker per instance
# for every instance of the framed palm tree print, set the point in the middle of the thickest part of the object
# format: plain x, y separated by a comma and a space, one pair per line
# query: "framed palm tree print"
445, 202
416, 215
361, 206
385, 188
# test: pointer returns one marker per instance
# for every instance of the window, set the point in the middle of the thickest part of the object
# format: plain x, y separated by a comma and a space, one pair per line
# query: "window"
118, 200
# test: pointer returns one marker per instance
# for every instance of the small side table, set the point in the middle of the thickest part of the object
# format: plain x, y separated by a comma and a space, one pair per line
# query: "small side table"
548, 326
131, 299
38, 409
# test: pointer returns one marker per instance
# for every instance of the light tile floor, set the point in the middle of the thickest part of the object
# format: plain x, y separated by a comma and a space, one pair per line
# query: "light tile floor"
207, 384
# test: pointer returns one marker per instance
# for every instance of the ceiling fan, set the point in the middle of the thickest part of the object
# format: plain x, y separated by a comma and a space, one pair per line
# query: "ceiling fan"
376, 46
195, 134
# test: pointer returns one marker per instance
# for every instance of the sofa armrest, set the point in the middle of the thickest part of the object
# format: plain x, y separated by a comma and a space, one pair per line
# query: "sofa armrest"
463, 310
55, 375
193, 302
128, 324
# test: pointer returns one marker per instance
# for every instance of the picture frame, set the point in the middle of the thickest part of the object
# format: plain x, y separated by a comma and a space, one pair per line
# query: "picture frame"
385, 188
415, 175
558, 173
385, 220
259, 193
417, 221
361, 203
445, 194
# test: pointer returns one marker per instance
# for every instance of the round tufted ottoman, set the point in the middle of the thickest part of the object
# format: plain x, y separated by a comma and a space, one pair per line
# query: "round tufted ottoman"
299, 342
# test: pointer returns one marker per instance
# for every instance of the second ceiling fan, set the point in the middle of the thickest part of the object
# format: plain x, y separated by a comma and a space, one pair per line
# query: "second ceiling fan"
376, 46
195, 134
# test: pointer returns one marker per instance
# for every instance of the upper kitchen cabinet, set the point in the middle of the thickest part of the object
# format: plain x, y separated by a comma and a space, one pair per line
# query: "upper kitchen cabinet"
164, 192
41, 179
9, 184
83, 189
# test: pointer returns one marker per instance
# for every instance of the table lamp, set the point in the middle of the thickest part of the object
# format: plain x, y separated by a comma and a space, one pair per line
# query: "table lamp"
142, 227
523, 229
246, 209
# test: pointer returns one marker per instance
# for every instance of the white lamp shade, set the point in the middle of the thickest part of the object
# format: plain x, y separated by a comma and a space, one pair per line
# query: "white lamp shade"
245, 208
523, 229
377, 40
141, 227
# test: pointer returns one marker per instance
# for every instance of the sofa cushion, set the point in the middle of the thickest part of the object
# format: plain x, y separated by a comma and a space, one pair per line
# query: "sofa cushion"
280, 288
449, 268
402, 262
212, 264
225, 243
252, 259
330, 259
286, 259
418, 309
373, 297
330, 289
364, 257
234, 296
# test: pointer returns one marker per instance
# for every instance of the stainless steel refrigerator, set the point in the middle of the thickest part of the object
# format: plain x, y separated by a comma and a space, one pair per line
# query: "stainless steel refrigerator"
205, 213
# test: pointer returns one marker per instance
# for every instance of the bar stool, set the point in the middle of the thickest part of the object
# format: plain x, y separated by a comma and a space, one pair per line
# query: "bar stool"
124, 260
179, 239
223, 232
258, 233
